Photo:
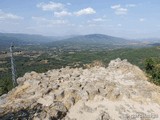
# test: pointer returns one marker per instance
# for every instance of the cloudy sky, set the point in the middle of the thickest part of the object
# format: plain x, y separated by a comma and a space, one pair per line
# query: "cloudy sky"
123, 18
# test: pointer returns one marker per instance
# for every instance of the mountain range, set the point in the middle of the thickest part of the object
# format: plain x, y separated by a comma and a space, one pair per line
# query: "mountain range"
80, 40
96, 39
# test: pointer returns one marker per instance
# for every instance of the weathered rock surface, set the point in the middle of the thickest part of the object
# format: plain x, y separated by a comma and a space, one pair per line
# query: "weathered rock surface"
119, 92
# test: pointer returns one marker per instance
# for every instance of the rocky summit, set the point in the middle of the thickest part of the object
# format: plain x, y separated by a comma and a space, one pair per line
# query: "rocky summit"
119, 92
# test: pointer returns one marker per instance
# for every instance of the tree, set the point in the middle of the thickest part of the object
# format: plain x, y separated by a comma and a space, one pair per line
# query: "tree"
149, 65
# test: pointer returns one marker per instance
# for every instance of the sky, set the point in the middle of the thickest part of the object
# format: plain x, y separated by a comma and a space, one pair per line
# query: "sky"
121, 18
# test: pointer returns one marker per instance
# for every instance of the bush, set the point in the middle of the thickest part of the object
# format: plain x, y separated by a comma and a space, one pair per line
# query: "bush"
152, 67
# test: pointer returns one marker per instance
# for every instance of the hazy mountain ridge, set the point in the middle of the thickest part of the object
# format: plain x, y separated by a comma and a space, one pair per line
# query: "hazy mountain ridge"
23, 39
96, 39
6, 41
69, 42
150, 40
94, 42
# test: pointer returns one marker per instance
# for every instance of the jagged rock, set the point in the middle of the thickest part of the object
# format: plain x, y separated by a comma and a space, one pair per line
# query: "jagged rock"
120, 90
46, 101
104, 116
87, 108
59, 94
84, 95
19, 90
55, 86
102, 92
116, 93
69, 101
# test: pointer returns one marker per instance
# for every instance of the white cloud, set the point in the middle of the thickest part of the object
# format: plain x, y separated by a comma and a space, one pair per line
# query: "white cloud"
62, 14
38, 18
51, 6
49, 22
119, 10
116, 6
99, 20
9, 16
142, 19
131, 5
85, 11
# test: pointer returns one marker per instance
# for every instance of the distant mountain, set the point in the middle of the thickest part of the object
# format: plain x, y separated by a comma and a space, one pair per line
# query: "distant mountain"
149, 40
94, 41
23, 39
97, 39
155, 44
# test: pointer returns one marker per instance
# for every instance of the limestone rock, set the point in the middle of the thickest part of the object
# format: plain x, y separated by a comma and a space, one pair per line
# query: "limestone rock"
46, 101
96, 93
104, 116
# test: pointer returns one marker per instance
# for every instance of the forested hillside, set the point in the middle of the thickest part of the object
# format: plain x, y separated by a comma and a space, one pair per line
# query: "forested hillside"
46, 59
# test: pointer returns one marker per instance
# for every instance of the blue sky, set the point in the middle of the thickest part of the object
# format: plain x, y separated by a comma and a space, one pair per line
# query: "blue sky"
123, 18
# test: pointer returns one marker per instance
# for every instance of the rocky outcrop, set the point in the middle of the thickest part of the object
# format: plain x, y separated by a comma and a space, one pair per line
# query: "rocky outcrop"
119, 92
